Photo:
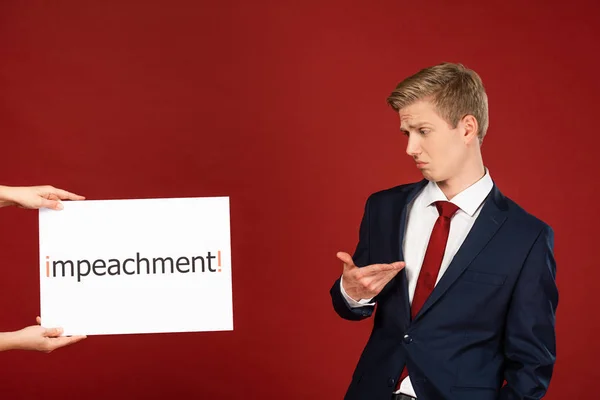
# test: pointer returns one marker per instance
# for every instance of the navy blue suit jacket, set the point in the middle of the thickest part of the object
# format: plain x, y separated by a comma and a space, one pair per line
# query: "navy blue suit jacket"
490, 318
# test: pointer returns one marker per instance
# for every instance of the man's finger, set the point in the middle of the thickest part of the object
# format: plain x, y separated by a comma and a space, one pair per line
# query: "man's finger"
399, 265
64, 341
53, 332
382, 279
38, 320
381, 268
64, 195
346, 259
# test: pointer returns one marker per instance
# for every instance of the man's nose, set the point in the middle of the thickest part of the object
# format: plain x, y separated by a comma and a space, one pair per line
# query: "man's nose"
413, 148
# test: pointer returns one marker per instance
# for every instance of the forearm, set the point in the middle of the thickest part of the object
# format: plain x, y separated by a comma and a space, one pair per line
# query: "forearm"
8, 341
5, 196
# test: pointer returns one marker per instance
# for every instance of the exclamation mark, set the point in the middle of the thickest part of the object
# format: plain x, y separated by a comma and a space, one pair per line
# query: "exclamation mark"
47, 267
219, 255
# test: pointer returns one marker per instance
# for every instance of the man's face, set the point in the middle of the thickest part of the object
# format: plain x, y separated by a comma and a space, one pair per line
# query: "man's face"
438, 150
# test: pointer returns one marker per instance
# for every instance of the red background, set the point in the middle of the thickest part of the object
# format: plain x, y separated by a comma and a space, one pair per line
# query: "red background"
282, 108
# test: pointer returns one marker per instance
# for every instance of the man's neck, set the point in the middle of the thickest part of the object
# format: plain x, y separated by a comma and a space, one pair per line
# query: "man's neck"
453, 186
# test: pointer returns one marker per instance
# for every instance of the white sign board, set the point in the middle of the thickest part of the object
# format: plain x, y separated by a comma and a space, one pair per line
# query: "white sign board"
136, 266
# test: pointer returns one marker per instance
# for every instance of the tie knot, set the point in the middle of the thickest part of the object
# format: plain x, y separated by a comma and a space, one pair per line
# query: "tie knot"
446, 209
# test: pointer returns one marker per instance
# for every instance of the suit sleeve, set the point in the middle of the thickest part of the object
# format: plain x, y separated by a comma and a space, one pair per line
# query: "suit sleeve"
361, 259
530, 340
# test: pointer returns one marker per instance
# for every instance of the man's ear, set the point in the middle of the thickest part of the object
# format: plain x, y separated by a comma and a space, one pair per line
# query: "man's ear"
471, 127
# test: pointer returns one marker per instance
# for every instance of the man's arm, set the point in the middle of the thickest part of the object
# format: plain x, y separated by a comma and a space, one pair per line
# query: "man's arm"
36, 338
35, 197
361, 282
530, 341
361, 258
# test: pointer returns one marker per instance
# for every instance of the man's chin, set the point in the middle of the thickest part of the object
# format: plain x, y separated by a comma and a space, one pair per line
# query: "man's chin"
427, 175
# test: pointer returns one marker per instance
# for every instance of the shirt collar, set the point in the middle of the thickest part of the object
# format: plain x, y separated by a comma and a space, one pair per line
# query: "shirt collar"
469, 200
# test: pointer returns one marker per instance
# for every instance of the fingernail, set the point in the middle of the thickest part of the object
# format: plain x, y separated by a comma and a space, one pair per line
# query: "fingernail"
59, 206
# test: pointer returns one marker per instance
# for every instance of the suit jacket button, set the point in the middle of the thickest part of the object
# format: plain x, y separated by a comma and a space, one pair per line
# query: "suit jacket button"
407, 339
391, 382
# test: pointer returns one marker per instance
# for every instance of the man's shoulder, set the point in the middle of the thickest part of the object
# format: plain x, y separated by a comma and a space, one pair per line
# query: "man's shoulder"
524, 218
400, 190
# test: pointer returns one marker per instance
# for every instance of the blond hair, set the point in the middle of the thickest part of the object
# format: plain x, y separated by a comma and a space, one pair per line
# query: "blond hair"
455, 91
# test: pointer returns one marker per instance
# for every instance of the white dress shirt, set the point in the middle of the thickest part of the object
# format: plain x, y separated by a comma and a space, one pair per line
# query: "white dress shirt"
422, 215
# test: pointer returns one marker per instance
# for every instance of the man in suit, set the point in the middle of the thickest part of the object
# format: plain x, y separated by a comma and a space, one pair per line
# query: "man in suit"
36, 337
462, 277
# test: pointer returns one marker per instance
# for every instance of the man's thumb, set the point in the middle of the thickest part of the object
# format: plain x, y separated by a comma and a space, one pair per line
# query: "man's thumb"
346, 259
52, 204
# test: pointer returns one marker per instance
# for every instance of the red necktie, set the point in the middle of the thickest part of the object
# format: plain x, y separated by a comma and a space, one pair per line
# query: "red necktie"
432, 261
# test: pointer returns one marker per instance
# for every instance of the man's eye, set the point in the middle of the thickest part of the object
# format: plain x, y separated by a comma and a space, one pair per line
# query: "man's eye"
423, 131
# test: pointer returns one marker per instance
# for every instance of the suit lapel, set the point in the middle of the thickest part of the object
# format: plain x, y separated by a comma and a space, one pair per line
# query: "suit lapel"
401, 279
491, 218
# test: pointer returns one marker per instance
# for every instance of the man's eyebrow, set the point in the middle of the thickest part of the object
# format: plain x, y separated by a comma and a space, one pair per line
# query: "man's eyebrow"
404, 127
